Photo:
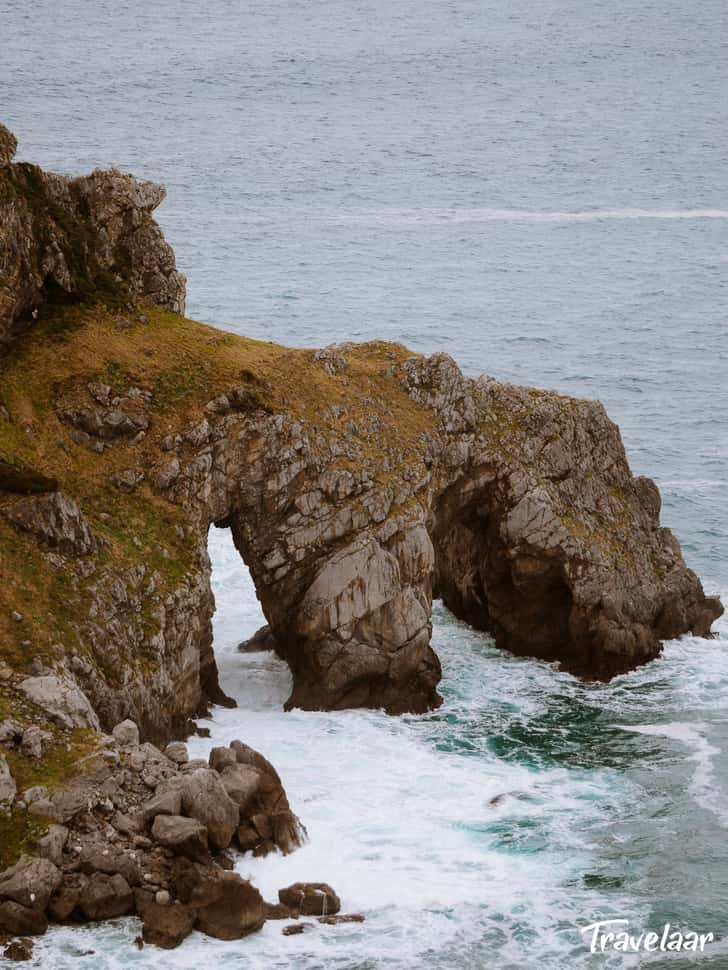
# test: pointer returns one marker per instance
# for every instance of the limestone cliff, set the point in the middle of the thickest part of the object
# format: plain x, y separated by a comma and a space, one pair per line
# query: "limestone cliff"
77, 239
357, 481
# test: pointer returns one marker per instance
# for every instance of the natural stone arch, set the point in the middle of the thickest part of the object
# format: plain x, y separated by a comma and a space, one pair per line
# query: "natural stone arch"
520, 510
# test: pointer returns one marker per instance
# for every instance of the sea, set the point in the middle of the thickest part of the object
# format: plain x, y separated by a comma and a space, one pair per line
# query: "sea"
539, 188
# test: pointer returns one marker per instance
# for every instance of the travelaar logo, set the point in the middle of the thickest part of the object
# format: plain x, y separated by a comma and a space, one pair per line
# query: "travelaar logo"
604, 939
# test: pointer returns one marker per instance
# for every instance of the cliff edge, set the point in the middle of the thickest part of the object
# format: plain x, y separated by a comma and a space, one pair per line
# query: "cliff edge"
358, 481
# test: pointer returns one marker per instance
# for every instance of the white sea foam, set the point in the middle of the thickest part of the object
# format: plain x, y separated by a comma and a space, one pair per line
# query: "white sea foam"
457, 216
705, 788
400, 815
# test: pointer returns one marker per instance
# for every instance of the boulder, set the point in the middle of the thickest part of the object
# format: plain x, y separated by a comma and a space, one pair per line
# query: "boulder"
10, 730
205, 798
310, 899
62, 699
30, 882
167, 926
278, 911
111, 861
20, 920
104, 897
263, 640
183, 836
245, 755
248, 838
34, 741
63, 903
221, 758
227, 906
177, 752
126, 734
51, 845
342, 918
287, 831
243, 784
166, 803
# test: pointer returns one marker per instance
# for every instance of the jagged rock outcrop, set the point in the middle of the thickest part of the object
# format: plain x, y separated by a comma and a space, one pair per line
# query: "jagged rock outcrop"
357, 481
127, 839
65, 239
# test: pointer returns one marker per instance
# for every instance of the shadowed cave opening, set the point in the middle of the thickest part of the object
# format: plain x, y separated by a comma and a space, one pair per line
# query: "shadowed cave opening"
517, 596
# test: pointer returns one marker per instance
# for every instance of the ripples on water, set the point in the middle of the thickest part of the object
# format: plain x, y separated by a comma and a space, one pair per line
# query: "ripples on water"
541, 190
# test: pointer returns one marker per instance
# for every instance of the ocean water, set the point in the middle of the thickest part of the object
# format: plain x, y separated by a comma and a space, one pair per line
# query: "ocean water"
540, 190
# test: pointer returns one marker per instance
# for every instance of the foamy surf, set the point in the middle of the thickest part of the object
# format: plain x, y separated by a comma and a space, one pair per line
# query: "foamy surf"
483, 834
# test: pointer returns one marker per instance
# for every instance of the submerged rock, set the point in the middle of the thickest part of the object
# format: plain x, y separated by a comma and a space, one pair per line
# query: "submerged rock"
19, 950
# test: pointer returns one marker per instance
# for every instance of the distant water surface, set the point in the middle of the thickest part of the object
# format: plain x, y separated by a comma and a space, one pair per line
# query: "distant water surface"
541, 191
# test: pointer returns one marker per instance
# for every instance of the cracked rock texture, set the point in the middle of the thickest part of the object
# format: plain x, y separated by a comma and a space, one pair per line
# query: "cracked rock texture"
357, 481
67, 239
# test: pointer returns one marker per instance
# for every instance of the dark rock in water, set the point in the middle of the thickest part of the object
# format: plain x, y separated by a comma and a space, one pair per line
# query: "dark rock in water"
261, 641
264, 848
19, 950
225, 860
8, 146
342, 918
227, 906
278, 911
288, 832
310, 899
104, 897
296, 928
167, 926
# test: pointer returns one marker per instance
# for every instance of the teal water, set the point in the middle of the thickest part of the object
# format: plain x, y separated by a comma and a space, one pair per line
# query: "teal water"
541, 191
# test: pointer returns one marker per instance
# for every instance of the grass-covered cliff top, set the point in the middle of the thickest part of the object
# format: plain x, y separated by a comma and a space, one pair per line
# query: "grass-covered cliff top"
183, 365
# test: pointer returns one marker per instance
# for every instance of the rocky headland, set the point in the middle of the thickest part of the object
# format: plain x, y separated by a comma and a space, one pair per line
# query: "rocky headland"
358, 482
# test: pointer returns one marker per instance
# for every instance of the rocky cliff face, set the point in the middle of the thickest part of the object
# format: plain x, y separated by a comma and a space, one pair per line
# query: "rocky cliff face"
357, 481
85, 238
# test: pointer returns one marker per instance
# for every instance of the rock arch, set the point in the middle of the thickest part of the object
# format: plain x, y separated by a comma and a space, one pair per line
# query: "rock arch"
518, 508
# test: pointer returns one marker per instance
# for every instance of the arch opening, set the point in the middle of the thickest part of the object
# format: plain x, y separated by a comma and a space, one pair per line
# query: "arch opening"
520, 596
247, 669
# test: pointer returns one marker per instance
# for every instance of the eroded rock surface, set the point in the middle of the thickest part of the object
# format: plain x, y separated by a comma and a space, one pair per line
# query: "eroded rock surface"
357, 481
63, 238
131, 842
